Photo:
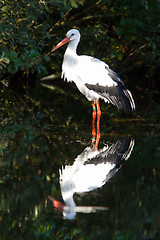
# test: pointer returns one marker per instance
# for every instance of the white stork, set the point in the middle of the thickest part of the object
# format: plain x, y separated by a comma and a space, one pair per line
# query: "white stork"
94, 79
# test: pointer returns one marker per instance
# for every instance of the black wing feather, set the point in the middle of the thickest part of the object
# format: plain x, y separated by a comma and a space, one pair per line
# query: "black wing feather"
118, 95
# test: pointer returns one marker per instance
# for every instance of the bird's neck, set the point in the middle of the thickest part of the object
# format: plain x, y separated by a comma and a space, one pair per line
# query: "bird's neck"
72, 48
68, 199
70, 58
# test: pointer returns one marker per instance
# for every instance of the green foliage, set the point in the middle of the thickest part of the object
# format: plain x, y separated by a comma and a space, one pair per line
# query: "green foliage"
139, 27
126, 31
19, 28
41, 130
3, 61
25, 32
37, 138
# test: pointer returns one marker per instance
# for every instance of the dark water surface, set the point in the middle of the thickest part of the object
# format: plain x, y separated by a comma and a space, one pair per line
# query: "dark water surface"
54, 186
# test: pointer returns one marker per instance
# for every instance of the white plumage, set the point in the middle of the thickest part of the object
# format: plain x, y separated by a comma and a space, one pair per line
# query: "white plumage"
93, 77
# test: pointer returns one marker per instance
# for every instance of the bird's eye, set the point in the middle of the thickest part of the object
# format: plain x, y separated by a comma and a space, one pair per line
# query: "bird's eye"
72, 34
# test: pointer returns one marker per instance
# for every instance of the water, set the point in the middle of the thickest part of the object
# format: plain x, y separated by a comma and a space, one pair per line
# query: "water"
45, 149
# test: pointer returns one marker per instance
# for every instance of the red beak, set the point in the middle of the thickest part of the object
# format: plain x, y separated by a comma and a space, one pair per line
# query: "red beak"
65, 40
58, 205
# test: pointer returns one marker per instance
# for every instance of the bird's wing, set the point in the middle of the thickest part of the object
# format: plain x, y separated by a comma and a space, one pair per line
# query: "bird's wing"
92, 71
97, 76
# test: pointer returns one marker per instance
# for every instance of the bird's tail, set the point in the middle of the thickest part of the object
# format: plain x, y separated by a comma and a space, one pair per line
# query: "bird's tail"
120, 97
128, 104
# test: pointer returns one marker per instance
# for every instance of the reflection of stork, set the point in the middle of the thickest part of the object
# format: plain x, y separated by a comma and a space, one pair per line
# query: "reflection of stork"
91, 170
94, 79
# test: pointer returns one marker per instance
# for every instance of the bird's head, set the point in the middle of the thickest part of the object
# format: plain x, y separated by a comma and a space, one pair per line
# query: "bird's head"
70, 36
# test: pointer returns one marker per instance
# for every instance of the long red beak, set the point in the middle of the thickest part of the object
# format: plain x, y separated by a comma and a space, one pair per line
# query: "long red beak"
65, 40
58, 205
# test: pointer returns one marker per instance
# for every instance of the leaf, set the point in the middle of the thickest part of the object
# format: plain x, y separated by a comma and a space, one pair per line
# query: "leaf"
119, 30
3, 61
6, 60
47, 58
73, 4
4, 9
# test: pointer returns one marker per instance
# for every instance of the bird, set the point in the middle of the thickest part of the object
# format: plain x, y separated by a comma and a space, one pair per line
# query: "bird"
90, 170
95, 79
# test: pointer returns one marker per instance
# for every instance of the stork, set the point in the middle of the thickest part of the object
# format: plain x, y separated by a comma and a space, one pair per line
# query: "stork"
94, 79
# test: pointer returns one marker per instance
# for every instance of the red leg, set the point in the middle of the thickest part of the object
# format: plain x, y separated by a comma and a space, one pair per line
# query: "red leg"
93, 123
98, 122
